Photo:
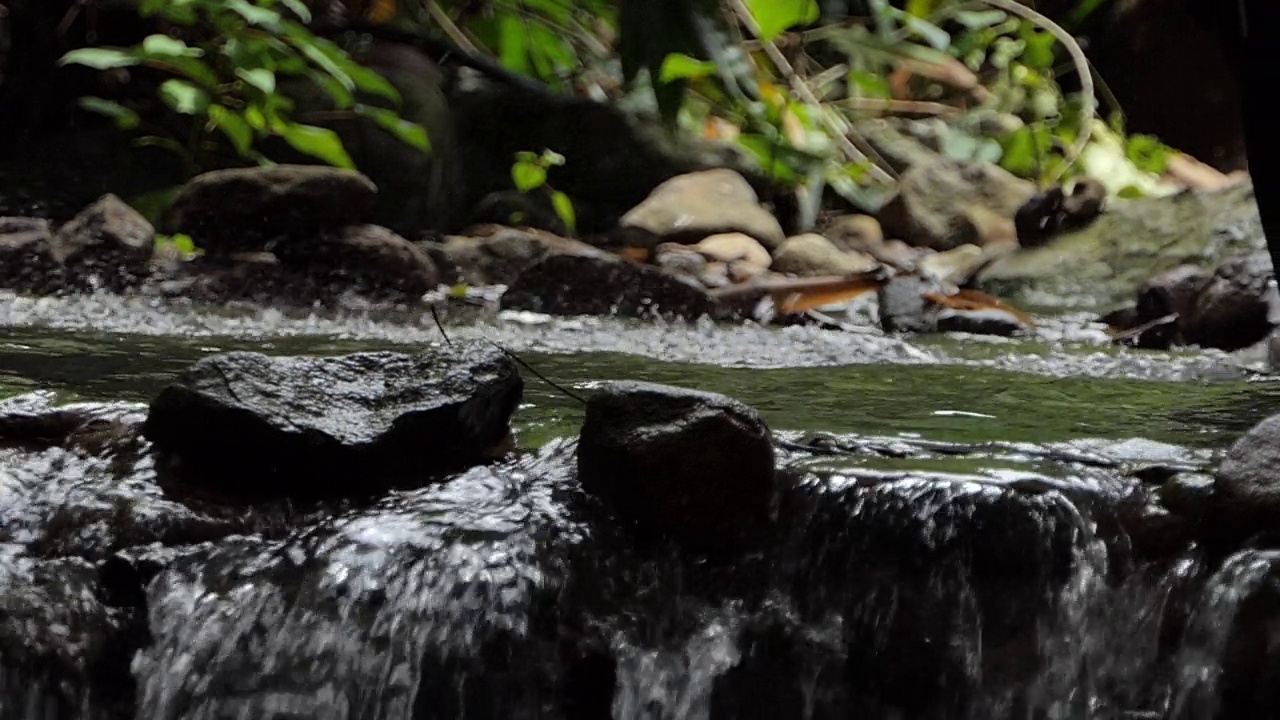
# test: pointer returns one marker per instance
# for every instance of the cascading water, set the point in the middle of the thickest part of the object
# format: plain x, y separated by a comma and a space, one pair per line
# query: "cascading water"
506, 592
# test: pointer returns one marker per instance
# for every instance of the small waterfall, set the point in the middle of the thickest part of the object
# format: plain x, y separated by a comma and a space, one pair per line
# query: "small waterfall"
1203, 655
674, 684
383, 614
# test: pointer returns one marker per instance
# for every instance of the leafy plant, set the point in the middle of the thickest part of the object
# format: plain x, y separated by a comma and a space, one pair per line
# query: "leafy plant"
226, 80
180, 243
529, 173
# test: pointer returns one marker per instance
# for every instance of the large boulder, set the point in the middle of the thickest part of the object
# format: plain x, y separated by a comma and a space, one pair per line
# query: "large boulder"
368, 259
691, 465
690, 207
1231, 311
1132, 241
497, 255
606, 285
942, 203
244, 208
245, 424
1249, 476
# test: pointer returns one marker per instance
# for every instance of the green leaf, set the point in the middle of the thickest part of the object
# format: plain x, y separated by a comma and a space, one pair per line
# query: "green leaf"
1039, 49
299, 8
191, 68
513, 44
183, 97
234, 126
341, 96
313, 49
528, 175
980, 19
317, 142
100, 58
260, 78
564, 210
937, 38
550, 158
164, 46
179, 12
265, 18
367, 80
678, 66
409, 133
774, 17
125, 119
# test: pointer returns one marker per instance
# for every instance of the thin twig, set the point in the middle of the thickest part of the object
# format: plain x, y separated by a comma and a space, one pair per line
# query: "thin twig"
446, 23
905, 107
807, 97
1082, 70
555, 385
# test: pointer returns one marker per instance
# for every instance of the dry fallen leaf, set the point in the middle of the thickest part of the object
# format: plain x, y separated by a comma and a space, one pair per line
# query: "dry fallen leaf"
976, 300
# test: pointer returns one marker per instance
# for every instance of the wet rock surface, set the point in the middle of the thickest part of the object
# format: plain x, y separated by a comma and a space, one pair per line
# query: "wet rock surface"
512, 585
243, 209
690, 207
1249, 477
245, 424
1231, 311
497, 255
692, 465
943, 203
107, 238
605, 285
1131, 242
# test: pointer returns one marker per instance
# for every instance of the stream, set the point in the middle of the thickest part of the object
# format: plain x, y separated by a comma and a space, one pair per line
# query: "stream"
977, 529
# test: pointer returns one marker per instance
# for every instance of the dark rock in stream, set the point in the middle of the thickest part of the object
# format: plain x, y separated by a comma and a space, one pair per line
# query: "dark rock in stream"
244, 208
24, 253
1248, 480
605, 285
76, 480
696, 466
368, 259
107, 245
63, 652
108, 240
248, 425
1231, 311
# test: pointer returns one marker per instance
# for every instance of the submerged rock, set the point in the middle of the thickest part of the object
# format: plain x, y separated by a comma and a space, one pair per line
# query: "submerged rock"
605, 285
690, 207
695, 466
244, 208
63, 652
249, 425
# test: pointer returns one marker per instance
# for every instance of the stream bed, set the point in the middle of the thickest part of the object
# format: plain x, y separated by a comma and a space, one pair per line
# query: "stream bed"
978, 529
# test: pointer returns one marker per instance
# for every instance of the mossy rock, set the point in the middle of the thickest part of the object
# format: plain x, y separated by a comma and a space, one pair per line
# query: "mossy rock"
1102, 264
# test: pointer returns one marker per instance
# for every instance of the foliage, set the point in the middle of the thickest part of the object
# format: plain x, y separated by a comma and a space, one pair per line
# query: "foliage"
226, 79
787, 86
181, 244
529, 173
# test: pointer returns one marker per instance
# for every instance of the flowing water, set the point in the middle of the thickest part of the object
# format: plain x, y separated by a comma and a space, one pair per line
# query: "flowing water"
972, 533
